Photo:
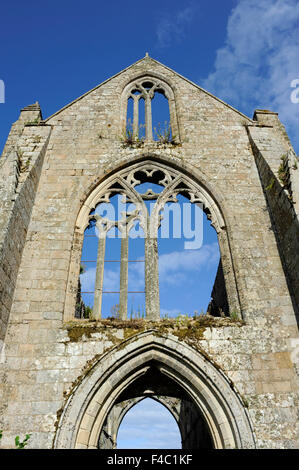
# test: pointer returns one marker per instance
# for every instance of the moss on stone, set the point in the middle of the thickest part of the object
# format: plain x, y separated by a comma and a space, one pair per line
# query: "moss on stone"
183, 327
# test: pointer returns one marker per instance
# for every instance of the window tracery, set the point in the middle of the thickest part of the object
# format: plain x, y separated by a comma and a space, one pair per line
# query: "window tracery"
144, 90
128, 183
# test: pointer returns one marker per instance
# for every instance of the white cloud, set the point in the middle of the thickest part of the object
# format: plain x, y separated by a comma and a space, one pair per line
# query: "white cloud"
111, 280
148, 425
87, 280
260, 59
136, 276
174, 268
171, 26
177, 266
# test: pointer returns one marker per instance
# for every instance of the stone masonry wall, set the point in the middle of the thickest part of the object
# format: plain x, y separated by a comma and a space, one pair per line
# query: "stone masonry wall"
55, 360
44, 357
285, 221
20, 175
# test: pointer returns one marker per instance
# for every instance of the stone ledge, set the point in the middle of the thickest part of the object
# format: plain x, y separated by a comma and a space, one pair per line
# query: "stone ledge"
184, 327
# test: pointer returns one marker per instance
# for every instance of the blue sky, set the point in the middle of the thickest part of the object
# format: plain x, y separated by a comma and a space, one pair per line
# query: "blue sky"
246, 52
163, 432
185, 259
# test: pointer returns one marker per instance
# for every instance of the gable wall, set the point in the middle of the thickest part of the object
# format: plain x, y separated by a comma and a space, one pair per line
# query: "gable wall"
41, 363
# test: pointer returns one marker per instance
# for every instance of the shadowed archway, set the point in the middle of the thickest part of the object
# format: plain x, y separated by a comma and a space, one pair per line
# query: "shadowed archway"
151, 364
154, 384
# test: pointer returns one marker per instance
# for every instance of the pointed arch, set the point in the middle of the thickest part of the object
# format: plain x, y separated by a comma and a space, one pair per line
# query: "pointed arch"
118, 371
145, 87
177, 177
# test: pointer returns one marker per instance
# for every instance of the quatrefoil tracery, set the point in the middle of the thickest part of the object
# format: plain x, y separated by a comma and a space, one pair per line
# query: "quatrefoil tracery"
173, 183
147, 89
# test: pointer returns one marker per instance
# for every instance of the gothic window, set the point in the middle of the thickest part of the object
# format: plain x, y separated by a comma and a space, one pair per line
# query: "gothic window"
149, 110
126, 220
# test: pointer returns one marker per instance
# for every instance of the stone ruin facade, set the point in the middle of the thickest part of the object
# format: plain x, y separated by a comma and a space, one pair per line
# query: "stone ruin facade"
230, 378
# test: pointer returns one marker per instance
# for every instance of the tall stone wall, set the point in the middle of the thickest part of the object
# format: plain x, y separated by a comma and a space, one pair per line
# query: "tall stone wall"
20, 172
278, 167
45, 357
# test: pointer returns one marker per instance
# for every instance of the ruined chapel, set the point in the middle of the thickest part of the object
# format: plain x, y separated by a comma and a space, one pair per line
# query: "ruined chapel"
70, 370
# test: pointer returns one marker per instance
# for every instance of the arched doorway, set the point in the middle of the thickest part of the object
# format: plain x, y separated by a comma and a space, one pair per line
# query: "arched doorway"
157, 385
209, 412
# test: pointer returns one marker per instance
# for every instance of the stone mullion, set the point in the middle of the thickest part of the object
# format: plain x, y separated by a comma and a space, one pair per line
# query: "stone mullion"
123, 296
148, 118
97, 307
232, 293
173, 121
152, 297
136, 117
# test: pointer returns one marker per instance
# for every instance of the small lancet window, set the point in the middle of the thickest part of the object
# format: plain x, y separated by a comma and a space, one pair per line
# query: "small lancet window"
162, 131
150, 112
